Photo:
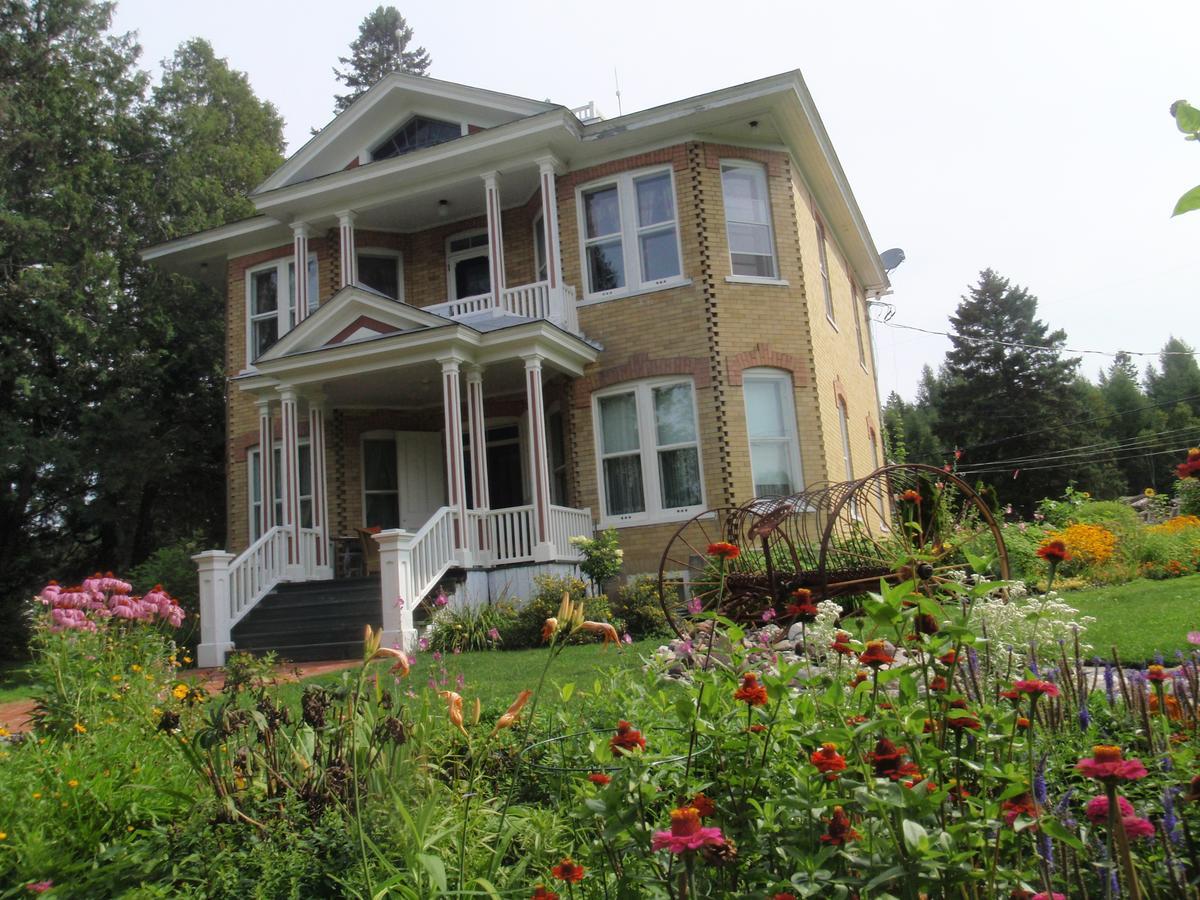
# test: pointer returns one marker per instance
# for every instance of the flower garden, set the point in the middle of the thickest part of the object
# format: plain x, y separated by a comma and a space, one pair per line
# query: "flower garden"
961, 739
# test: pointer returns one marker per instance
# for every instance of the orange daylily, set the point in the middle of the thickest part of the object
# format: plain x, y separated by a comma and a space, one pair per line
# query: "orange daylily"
401, 658
455, 711
605, 630
549, 628
509, 717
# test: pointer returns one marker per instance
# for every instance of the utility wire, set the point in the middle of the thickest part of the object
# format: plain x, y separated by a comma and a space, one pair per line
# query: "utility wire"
1000, 343
984, 471
1097, 449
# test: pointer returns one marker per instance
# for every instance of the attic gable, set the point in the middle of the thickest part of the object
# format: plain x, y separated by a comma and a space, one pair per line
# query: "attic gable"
352, 314
378, 115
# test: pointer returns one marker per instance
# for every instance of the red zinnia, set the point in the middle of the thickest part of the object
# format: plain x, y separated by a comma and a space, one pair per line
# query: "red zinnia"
1022, 722
1036, 688
1010, 694
925, 623
839, 831
962, 719
1097, 809
569, 871
1156, 673
1054, 552
783, 895
841, 644
756, 728
751, 692
541, 892
859, 677
875, 655
938, 683
1018, 806
885, 758
948, 658
724, 550
910, 496
703, 805
828, 761
802, 606
599, 778
1106, 764
627, 739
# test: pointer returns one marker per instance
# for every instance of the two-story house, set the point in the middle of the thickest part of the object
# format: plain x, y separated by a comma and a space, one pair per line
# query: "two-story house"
484, 324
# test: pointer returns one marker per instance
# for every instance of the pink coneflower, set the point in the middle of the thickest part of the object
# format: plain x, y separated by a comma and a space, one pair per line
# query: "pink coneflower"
686, 833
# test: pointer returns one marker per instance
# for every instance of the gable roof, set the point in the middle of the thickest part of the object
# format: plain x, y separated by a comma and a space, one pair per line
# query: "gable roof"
386, 106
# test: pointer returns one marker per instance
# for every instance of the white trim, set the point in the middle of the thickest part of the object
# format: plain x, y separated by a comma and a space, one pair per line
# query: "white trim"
760, 171
844, 424
823, 269
285, 300
683, 282
791, 435
397, 255
628, 235
755, 279
252, 453
648, 451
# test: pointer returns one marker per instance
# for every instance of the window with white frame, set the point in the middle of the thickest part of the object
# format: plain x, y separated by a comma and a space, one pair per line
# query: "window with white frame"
856, 301
383, 271
381, 488
630, 234
823, 257
882, 508
748, 219
256, 497
844, 422
649, 451
270, 316
771, 425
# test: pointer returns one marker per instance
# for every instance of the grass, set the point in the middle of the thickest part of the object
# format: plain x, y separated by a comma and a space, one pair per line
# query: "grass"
15, 682
1141, 617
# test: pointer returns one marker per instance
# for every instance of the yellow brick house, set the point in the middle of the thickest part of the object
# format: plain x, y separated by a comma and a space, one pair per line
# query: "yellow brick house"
483, 324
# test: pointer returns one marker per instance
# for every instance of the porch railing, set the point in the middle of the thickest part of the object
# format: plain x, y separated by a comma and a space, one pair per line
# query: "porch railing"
253, 574
507, 535
531, 301
566, 523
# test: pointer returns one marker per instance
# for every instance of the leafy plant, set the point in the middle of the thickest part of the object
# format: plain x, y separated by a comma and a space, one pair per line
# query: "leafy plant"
526, 629
638, 608
602, 556
1187, 120
471, 628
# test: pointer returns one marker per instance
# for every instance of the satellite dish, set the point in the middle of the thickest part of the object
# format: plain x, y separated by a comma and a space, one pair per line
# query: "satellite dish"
891, 258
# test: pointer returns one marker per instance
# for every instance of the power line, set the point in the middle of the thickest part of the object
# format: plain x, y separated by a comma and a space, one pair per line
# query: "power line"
1018, 469
1001, 343
1099, 448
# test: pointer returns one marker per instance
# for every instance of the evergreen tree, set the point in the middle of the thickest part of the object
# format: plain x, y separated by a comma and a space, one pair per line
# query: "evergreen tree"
382, 47
1127, 417
893, 429
1178, 377
1005, 376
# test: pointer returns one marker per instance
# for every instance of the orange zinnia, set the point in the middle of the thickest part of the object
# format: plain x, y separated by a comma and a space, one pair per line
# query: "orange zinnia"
875, 655
724, 550
703, 805
751, 692
828, 761
568, 870
626, 739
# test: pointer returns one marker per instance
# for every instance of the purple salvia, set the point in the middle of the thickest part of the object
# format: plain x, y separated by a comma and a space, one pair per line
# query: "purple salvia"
1046, 850
973, 660
1085, 717
1169, 821
1109, 688
1039, 782
1179, 656
1167, 764
1158, 657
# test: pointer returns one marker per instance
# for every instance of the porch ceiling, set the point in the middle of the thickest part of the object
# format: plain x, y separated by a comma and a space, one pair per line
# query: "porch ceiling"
464, 200
415, 386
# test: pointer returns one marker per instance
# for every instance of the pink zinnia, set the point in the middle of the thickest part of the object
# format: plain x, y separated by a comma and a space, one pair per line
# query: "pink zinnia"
686, 833
1193, 637
39, 887
1097, 809
1036, 687
1137, 827
1106, 764
1042, 895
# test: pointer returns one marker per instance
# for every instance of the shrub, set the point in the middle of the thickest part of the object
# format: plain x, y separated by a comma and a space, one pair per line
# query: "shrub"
638, 607
1168, 554
471, 628
526, 629
602, 556
1187, 490
172, 567
1022, 541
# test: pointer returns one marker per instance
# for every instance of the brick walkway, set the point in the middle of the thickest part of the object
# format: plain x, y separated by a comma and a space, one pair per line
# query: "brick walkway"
14, 716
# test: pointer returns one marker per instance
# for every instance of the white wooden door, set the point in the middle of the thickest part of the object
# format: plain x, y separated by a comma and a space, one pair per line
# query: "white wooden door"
421, 467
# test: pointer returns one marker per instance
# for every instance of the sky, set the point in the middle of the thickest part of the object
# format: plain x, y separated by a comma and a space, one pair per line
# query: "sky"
1029, 137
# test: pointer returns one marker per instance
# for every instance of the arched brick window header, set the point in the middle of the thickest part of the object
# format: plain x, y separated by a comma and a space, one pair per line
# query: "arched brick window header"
839, 391
762, 356
640, 366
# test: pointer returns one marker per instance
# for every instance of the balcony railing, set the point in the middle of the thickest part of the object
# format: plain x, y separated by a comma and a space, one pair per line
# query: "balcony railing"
530, 301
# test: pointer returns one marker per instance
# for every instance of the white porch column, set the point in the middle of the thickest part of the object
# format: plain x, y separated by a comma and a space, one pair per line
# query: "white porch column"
316, 455
266, 467
455, 479
300, 234
290, 478
213, 566
396, 585
539, 466
477, 431
547, 169
491, 187
349, 256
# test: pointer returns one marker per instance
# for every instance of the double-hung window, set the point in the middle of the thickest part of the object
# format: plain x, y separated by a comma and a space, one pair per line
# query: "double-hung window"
823, 258
859, 310
270, 315
630, 233
748, 220
383, 271
256, 495
771, 425
381, 489
649, 452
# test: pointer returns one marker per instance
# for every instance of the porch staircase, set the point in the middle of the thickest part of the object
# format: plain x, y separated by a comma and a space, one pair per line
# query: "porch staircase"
311, 620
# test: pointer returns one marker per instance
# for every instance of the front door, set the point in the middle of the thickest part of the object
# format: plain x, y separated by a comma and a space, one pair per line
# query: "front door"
404, 478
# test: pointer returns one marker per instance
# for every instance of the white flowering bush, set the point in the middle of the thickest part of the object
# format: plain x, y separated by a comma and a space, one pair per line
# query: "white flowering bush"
602, 556
1021, 621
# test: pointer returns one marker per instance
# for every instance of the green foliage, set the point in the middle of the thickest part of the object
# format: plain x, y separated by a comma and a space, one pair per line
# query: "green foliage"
382, 47
602, 555
638, 608
1187, 120
1169, 555
172, 567
1022, 541
1188, 492
526, 629
472, 628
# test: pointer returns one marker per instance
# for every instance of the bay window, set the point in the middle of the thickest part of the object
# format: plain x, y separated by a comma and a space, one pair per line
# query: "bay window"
270, 316
649, 452
630, 234
748, 220
771, 426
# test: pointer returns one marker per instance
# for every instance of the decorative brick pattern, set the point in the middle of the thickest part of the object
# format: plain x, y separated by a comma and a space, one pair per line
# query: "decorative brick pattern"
763, 356
640, 365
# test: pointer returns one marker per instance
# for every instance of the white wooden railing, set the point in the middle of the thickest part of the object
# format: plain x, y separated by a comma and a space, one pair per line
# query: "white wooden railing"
410, 565
231, 586
310, 557
566, 523
504, 535
531, 301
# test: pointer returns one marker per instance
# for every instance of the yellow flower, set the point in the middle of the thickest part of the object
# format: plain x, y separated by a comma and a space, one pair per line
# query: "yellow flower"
1150, 492
37, 795
116, 678
81, 728
180, 691
73, 783
3, 731
135, 668
187, 659
3, 836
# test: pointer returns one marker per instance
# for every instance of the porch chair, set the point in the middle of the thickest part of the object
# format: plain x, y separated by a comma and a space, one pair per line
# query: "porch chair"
370, 549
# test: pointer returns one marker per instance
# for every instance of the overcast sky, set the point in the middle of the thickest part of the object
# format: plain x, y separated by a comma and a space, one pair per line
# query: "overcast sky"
1031, 137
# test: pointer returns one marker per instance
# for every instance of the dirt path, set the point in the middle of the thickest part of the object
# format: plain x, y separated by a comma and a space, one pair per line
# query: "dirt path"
14, 716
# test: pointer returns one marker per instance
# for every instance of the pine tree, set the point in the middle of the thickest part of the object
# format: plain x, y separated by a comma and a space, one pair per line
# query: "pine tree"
1127, 417
380, 49
1178, 377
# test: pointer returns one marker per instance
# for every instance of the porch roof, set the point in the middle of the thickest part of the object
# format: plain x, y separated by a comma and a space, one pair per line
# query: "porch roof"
360, 331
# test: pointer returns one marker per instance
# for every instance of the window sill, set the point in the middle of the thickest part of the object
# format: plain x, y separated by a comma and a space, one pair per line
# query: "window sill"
591, 301
755, 279
642, 519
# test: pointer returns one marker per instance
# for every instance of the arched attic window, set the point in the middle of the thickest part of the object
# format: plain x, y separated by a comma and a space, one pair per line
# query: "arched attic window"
414, 134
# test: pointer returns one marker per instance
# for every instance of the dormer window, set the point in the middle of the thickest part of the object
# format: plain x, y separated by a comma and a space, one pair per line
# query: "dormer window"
414, 134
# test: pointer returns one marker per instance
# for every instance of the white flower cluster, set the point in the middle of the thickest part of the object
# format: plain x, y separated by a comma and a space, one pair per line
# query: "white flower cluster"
1020, 620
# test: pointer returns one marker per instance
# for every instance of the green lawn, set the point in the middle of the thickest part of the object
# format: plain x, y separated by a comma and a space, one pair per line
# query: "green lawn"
1141, 617
15, 683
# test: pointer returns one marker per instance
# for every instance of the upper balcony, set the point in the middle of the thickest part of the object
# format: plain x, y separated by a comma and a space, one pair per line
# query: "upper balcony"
531, 301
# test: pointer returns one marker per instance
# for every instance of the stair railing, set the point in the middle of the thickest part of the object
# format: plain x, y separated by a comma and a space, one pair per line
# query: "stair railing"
410, 566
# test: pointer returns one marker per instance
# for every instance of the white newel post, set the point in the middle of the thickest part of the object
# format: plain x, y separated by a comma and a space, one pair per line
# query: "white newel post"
491, 188
213, 566
266, 467
349, 256
477, 431
290, 479
396, 585
300, 235
547, 170
539, 467
316, 453
455, 479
